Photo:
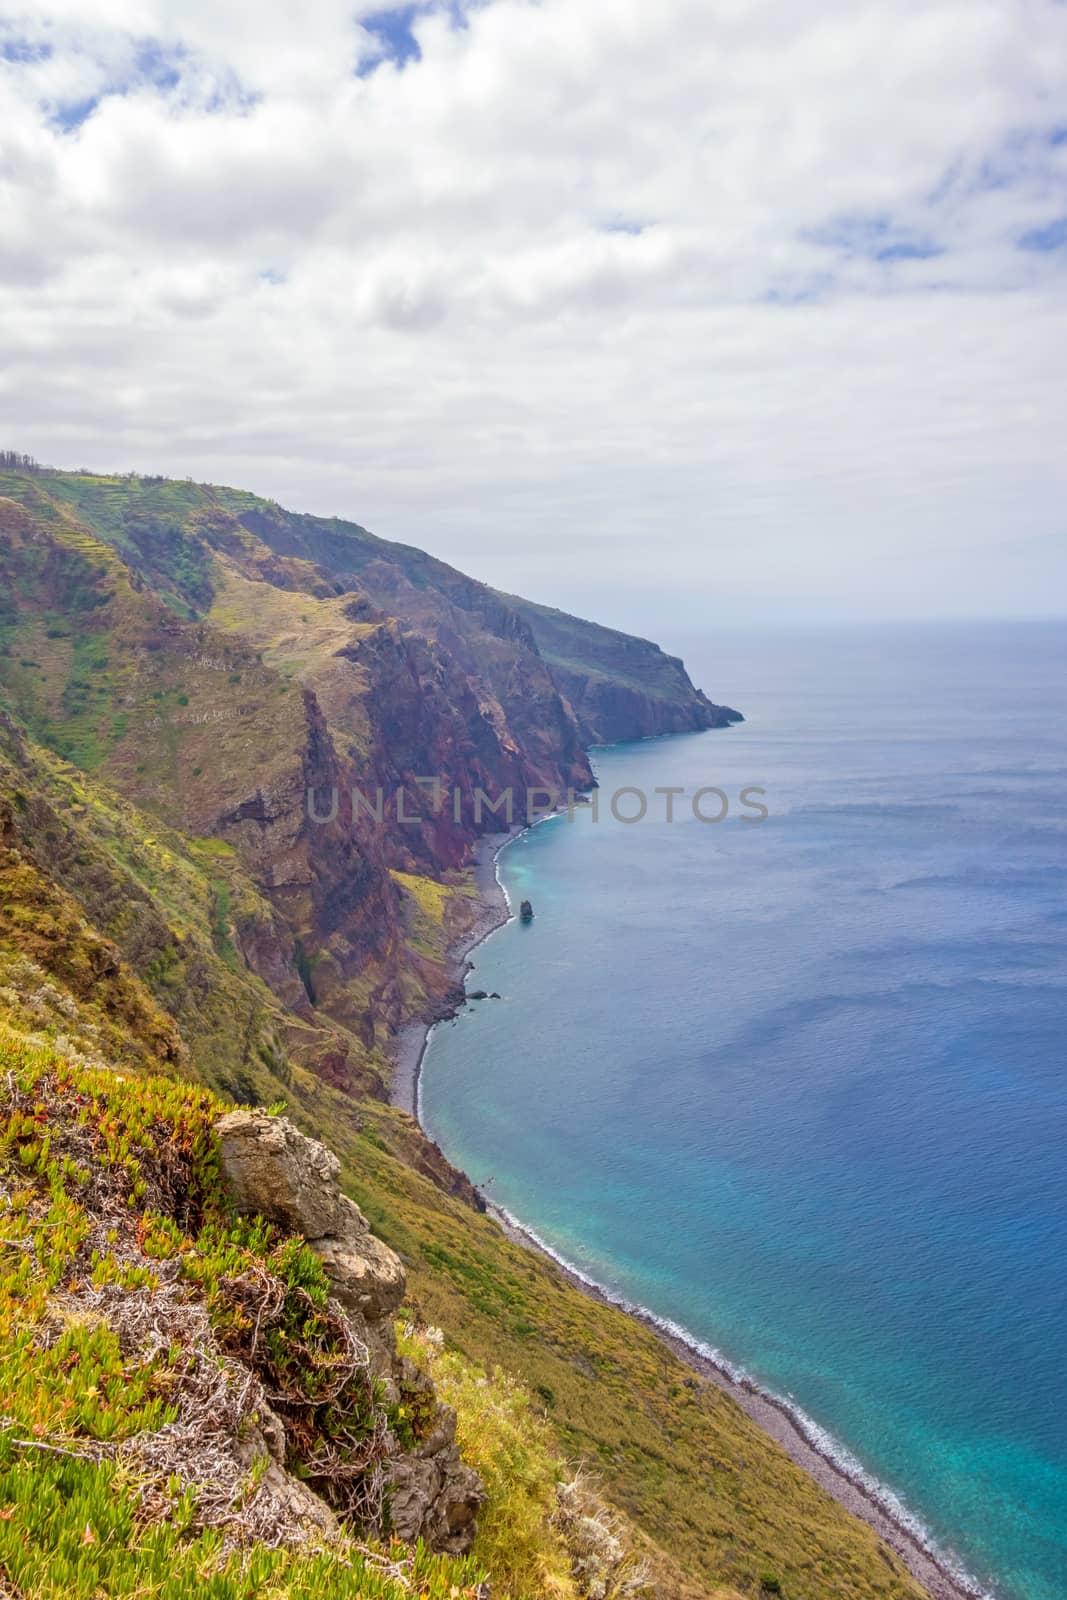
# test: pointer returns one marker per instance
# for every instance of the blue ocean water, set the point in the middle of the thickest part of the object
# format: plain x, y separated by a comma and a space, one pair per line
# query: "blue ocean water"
800, 1086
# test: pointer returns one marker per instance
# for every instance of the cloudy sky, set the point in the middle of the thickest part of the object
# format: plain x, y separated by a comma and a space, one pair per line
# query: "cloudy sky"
688, 310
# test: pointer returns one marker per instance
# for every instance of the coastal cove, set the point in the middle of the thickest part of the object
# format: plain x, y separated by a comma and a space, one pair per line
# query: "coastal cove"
948, 821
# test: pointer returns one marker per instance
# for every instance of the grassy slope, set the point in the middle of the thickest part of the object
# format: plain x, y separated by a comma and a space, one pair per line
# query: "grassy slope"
111, 504
111, 1192
599, 652
131, 928
676, 1453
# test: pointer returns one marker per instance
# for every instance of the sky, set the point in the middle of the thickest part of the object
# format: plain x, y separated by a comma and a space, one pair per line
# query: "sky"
673, 313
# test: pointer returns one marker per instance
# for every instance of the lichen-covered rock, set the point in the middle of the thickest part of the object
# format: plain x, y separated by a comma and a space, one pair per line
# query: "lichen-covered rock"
366, 1275
274, 1169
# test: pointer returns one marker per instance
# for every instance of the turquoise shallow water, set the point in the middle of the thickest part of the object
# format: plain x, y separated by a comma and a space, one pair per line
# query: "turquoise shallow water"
800, 1086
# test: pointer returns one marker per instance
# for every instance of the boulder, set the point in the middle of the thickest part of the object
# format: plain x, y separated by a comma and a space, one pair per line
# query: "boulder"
273, 1169
366, 1275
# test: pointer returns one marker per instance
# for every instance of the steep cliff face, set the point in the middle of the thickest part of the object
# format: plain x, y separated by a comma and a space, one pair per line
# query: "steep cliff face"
616, 686
218, 660
619, 687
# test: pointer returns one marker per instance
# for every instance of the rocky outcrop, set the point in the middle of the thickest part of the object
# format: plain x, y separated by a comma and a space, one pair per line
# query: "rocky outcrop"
617, 685
257, 678
275, 1171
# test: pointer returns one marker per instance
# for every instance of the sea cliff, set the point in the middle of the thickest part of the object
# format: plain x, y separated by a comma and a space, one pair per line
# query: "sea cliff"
181, 665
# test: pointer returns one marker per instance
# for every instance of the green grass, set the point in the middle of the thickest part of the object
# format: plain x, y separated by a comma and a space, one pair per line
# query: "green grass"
675, 1453
107, 1183
69, 1530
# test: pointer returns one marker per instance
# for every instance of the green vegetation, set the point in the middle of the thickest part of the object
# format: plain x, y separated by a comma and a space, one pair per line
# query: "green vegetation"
544, 1531
70, 1530
113, 1189
502, 1437
674, 1452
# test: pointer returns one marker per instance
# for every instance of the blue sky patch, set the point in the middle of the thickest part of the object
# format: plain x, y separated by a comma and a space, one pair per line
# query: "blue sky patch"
1053, 236
159, 66
70, 117
393, 31
393, 28
875, 236
155, 66
908, 250
24, 52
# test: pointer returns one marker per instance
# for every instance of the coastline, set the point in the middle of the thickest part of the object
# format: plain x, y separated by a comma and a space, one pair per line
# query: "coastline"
412, 1039
799, 1437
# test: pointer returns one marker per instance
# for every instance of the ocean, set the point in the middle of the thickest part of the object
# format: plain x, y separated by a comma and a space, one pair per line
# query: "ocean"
798, 1086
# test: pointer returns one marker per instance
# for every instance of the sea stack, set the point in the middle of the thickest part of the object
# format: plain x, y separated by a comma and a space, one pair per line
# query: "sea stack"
526, 912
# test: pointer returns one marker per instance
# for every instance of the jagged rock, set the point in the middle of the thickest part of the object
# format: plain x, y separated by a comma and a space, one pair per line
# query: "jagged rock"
526, 911
438, 1498
478, 994
274, 1169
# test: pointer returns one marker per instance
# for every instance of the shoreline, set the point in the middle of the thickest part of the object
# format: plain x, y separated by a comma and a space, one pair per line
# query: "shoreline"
806, 1446
413, 1038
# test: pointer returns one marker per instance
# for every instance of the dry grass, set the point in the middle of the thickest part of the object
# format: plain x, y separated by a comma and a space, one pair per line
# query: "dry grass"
544, 1532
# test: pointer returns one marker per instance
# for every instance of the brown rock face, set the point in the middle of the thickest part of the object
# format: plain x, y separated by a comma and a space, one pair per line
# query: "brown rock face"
275, 1171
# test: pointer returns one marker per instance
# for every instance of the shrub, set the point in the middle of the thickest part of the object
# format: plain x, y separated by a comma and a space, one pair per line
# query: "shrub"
142, 1326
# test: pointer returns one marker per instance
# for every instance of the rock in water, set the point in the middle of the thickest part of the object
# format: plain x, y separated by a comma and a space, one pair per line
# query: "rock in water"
526, 911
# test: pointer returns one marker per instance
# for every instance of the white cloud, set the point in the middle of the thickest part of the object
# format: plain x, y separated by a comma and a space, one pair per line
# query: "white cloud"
589, 295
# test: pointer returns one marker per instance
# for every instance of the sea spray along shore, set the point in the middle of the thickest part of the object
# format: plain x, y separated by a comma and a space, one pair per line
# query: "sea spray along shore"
823, 1458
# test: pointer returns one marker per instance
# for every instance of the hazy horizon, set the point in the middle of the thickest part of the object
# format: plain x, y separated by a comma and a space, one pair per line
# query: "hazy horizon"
701, 312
